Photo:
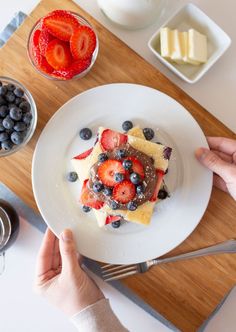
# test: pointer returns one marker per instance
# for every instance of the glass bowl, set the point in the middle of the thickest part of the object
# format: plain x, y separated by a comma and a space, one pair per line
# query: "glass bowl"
82, 21
31, 128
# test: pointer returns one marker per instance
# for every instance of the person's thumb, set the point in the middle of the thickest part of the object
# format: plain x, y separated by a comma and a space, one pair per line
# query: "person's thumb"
69, 255
213, 162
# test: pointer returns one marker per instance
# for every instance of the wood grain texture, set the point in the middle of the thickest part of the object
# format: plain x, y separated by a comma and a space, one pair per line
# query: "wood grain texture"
184, 292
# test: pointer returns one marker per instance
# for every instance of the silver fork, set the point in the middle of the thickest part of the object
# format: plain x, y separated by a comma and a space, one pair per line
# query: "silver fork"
114, 272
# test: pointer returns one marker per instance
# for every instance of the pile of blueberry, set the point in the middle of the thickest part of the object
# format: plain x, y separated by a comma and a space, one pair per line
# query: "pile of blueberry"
15, 116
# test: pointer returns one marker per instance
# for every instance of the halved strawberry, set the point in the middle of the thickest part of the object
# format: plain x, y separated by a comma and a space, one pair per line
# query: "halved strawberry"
88, 197
160, 175
107, 170
61, 24
40, 61
74, 69
58, 54
83, 43
124, 192
137, 166
35, 37
110, 219
44, 40
84, 154
111, 139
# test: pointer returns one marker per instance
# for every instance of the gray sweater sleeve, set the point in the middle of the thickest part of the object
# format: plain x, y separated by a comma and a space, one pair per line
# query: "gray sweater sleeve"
98, 317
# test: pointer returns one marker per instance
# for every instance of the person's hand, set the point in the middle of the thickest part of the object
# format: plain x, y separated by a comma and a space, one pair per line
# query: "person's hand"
59, 277
221, 159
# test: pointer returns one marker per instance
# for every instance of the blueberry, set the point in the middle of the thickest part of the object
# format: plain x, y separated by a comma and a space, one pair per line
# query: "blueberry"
1, 126
15, 113
167, 153
10, 97
127, 164
3, 111
18, 92
25, 106
86, 208
102, 157
7, 122
7, 145
18, 101
17, 137
127, 125
85, 134
119, 177
121, 153
135, 178
3, 90
107, 191
27, 118
148, 133
97, 187
10, 87
140, 189
132, 206
4, 136
72, 176
19, 126
115, 224
2, 101
162, 194
114, 205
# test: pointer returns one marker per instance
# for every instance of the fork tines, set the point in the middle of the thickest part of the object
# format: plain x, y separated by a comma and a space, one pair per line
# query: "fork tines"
115, 272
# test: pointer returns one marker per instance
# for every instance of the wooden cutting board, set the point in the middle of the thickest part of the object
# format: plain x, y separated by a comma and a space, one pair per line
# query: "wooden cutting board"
184, 292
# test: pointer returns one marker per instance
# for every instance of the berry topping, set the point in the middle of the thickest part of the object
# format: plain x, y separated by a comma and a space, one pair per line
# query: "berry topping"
35, 38
115, 224
148, 133
85, 133
58, 54
127, 125
107, 191
162, 194
108, 169
123, 192
140, 189
127, 164
167, 153
43, 41
86, 209
114, 205
160, 175
119, 177
121, 153
135, 178
40, 61
102, 157
72, 176
132, 206
97, 187
111, 139
88, 197
82, 43
84, 154
112, 219
61, 24
74, 69
137, 166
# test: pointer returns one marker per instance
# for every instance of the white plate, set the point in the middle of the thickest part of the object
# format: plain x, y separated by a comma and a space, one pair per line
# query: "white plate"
109, 105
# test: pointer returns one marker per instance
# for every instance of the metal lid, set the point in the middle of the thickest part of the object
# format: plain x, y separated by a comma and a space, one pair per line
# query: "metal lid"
5, 228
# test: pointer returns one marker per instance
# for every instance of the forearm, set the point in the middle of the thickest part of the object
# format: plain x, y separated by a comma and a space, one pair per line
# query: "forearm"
98, 317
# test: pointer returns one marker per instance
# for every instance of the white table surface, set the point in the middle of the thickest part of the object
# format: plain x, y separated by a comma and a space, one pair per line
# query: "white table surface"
215, 91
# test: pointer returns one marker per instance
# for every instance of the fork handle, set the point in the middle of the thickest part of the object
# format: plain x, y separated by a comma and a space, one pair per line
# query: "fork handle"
223, 247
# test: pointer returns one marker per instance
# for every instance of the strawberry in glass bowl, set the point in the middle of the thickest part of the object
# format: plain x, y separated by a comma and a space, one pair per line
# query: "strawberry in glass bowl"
62, 45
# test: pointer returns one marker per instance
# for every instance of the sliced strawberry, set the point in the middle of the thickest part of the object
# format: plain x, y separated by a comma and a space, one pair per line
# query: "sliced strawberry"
83, 43
111, 139
89, 198
84, 154
123, 192
44, 40
58, 54
107, 170
137, 166
40, 61
61, 24
160, 175
74, 69
35, 38
110, 219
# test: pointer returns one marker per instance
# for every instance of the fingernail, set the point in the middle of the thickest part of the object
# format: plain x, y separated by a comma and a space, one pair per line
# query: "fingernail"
67, 235
201, 153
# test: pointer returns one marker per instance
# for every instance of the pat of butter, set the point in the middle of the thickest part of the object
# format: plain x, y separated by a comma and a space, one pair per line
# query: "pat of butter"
183, 37
165, 40
197, 46
177, 49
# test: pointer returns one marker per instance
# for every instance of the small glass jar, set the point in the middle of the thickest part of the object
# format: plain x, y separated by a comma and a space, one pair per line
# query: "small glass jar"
9, 229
